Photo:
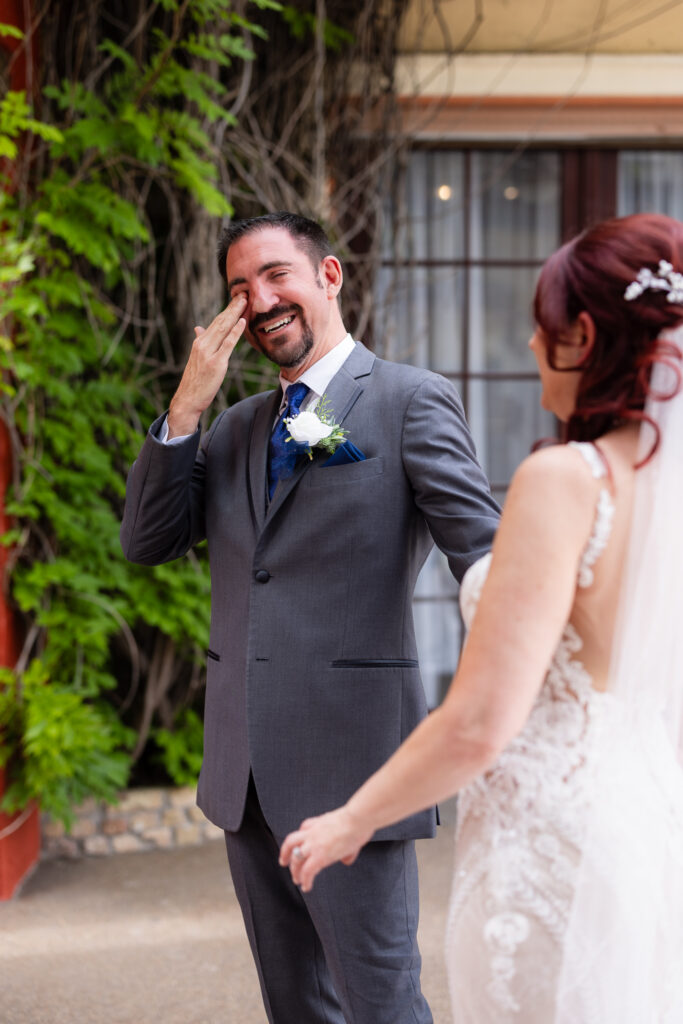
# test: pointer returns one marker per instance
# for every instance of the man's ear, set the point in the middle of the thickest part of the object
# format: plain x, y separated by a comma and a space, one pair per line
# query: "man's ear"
331, 275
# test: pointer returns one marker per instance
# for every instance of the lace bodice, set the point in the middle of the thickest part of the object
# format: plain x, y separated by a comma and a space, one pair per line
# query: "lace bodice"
519, 824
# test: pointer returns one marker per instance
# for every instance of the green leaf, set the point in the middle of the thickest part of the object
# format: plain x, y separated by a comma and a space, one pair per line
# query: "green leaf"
46, 131
7, 147
182, 748
268, 5
114, 50
12, 31
79, 379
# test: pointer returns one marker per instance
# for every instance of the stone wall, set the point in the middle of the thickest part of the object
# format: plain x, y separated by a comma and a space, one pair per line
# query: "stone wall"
143, 819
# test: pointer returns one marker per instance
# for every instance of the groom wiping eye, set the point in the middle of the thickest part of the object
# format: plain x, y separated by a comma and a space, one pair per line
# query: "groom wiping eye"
320, 501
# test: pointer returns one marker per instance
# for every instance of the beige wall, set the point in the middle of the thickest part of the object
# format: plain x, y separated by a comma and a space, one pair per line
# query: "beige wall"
540, 74
554, 26
535, 70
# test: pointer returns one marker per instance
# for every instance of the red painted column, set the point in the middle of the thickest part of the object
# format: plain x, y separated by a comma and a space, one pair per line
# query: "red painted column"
19, 833
12, 13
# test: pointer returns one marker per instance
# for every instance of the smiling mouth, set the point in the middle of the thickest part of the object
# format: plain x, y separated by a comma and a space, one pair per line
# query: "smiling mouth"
279, 325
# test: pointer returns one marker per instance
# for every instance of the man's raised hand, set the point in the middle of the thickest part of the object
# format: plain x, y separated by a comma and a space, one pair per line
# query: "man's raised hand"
206, 368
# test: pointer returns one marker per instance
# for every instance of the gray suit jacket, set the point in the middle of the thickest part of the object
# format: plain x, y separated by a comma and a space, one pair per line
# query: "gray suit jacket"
313, 679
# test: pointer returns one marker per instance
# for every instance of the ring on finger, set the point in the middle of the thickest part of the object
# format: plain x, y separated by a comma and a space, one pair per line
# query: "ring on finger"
298, 853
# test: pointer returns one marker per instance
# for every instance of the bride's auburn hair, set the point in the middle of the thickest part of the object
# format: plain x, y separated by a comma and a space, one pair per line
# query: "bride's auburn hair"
591, 273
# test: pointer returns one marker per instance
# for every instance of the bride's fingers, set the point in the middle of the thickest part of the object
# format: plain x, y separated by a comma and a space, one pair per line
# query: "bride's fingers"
317, 861
287, 848
307, 874
299, 868
303, 862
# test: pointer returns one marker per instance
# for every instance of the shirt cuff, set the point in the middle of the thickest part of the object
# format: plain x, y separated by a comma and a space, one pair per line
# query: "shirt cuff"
165, 439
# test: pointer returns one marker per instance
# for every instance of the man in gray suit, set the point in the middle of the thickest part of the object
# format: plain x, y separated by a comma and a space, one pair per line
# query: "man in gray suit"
312, 678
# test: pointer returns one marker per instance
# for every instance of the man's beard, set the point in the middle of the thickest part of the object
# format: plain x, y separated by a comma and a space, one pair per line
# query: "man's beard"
305, 345
289, 359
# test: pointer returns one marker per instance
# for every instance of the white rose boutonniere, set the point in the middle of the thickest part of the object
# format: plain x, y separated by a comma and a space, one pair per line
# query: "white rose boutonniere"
316, 429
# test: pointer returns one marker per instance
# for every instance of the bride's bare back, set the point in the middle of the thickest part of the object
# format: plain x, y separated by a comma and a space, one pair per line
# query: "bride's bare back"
595, 607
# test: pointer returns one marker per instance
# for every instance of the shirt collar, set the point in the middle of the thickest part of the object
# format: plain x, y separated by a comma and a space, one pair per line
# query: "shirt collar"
318, 376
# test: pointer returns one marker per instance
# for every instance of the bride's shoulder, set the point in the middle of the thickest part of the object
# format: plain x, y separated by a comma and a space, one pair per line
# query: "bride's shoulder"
560, 469
551, 500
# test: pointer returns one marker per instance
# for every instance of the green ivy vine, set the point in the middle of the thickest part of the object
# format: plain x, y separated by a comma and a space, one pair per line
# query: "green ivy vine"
76, 395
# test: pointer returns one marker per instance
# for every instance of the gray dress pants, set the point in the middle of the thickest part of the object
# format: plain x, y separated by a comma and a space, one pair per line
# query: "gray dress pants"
345, 953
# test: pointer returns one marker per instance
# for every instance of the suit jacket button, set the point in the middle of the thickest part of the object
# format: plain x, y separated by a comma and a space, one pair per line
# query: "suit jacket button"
262, 576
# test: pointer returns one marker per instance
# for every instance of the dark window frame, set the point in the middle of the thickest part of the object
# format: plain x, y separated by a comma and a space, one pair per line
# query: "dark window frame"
588, 193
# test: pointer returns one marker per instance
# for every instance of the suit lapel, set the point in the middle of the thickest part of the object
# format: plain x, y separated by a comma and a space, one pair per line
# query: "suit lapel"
341, 394
346, 386
258, 454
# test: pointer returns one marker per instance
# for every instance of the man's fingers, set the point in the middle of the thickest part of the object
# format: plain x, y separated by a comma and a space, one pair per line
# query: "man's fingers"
230, 318
222, 328
206, 367
235, 334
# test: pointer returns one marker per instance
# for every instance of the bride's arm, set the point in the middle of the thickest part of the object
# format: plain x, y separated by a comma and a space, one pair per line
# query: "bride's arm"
524, 606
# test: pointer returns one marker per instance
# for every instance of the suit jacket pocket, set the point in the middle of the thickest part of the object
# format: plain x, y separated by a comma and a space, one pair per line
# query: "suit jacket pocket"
344, 473
212, 654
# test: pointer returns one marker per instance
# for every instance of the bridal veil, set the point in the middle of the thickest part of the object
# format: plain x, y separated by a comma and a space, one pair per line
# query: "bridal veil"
623, 954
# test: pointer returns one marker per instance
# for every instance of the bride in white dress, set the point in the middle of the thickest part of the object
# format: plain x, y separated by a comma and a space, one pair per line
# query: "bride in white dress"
563, 727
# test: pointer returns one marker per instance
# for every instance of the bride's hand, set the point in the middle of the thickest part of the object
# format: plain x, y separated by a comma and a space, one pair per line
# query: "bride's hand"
321, 841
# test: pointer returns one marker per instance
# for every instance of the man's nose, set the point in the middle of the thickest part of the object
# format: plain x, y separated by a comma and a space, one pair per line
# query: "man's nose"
263, 297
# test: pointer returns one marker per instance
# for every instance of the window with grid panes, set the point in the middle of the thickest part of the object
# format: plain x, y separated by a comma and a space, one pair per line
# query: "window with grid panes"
464, 242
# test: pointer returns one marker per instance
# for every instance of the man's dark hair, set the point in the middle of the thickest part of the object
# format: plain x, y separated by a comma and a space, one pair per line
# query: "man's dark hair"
307, 234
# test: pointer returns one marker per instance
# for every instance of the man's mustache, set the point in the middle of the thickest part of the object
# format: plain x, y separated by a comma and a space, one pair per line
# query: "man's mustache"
272, 314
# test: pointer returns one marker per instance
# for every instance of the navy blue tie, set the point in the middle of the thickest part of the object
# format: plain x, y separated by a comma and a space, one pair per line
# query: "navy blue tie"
282, 454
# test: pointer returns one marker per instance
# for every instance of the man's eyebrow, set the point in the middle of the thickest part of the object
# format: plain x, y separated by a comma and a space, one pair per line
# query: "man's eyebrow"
261, 270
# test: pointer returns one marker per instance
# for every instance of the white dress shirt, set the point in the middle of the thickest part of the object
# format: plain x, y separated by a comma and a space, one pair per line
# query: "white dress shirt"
317, 377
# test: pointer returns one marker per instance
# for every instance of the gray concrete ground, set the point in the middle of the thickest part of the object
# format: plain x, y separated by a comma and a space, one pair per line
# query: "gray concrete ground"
157, 938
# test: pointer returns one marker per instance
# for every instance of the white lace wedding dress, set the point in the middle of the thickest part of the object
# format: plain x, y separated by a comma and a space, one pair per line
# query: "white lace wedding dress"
519, 841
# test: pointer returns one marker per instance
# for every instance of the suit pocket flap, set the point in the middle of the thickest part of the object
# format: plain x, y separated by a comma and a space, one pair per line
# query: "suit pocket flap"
344, 473
375, 663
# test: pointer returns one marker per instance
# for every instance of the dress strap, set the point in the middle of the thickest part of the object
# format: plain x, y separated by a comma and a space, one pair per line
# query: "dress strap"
593, 456
604, 512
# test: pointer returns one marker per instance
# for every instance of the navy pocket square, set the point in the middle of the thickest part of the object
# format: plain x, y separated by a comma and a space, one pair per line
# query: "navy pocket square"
346, 452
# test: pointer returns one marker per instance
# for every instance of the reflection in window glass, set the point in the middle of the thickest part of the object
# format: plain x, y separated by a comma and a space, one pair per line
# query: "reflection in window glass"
462, 250
500, 319
401, 315
446, 319
418, 316
438, 628
515, 205
650, 182
507, 419
441, 581
429, 221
